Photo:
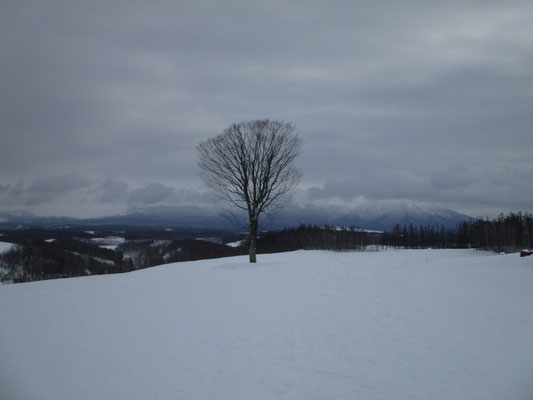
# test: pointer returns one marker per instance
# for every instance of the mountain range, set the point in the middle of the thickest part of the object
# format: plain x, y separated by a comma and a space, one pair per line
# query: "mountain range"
378, 215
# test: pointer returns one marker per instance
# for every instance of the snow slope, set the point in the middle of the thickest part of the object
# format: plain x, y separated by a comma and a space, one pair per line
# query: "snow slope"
404, 324
4, 246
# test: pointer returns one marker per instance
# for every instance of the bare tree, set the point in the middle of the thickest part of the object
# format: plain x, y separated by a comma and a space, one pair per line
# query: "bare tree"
251, 166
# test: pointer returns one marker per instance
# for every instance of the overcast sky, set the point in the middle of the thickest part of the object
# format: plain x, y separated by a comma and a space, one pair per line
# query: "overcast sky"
102, 103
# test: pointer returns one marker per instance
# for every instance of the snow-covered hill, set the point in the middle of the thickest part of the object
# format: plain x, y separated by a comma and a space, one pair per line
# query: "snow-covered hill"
432, 324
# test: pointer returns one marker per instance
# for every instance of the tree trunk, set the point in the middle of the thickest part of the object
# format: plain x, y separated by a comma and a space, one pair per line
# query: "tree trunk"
253, 240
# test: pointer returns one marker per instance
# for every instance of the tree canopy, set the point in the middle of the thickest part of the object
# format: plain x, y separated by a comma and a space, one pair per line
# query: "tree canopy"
251, 166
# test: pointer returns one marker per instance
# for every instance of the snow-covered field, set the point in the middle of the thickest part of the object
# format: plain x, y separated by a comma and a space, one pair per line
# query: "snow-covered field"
432, 324
5, 246
109, 242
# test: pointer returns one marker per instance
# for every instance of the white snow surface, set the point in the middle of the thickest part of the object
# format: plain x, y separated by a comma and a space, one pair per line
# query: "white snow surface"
426, 324
5, 246
109, 242
238, 243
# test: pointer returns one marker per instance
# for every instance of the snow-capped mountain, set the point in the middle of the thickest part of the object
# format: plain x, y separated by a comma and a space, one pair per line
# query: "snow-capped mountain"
385, 215
379, 215
376, 215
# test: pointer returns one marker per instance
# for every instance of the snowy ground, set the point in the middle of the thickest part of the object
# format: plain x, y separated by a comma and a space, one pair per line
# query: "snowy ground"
238, 243
4, 246
304, 325
109, 242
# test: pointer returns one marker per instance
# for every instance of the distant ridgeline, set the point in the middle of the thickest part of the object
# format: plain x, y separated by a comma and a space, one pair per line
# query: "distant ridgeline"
46, 254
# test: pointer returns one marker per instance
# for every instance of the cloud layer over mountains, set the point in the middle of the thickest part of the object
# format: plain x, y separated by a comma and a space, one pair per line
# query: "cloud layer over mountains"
103, 103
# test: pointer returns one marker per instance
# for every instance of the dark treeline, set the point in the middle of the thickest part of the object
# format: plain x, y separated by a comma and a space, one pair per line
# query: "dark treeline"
510, 233
313, 238
421, 237
331, 238
147, 253
35, 260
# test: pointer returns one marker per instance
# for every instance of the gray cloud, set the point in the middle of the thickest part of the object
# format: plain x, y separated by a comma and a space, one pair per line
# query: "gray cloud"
42, 190
151, 194
113, 191
116, 192
472, 192
61, 191
456, 176
416, 100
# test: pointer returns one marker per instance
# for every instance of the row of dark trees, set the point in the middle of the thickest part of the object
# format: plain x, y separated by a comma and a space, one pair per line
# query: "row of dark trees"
35, 260
420, 237
147, 253
313, 237
510, 233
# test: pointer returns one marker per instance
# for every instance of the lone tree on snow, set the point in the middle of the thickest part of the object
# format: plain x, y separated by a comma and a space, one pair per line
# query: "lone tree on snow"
251, 166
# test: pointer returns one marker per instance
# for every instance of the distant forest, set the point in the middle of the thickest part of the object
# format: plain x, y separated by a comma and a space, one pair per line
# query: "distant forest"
35, 256
510, 233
